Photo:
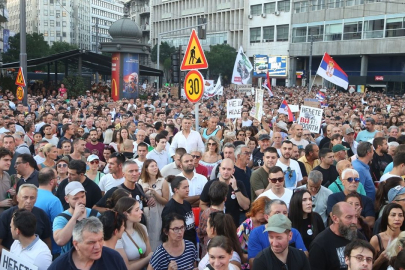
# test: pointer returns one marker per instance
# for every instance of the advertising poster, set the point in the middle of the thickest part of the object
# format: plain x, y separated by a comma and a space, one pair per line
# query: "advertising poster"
6, 35
130, 72
310, 118
115, 75
278, 66
261, 65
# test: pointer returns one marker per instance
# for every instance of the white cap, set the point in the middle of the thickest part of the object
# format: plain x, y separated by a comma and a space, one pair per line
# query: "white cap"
73, 188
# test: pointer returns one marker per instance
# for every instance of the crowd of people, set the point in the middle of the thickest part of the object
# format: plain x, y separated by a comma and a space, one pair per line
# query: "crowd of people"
92, 183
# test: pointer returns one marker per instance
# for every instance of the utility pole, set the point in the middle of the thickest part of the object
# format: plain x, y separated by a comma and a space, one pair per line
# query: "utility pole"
23, 46
310, 65
97, 46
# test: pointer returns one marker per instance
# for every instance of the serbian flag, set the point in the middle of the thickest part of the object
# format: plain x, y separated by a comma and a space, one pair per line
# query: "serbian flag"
330, 71
267, 85
284, 108
320, 96
363, 121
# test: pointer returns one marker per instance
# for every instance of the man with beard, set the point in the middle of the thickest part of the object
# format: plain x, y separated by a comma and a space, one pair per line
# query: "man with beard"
49, 136
95, 147
257, 154
326, 167
311, 157
369, 133
64, 223
259, 179
359, 255
237, 197
290, 167
380, 158
327, 249
297, 139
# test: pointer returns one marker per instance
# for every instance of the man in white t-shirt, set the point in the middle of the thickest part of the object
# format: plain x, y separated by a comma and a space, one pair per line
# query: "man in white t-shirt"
399, 167
297, 139
116, 176
246, 122
159, 154
277, 191
142, 151
27, 244
49, 136
290, 167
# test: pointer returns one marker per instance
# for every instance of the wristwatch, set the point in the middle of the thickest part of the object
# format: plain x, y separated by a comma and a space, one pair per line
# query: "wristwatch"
236, 190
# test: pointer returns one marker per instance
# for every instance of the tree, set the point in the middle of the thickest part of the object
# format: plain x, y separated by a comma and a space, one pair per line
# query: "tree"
167, 65
61, 46
37, 47
221, 59
75, 85
165, 52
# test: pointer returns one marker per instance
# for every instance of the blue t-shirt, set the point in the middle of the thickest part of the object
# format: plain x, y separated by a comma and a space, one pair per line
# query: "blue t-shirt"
259, 240
365, 136
52, 207
389, 168
60, 223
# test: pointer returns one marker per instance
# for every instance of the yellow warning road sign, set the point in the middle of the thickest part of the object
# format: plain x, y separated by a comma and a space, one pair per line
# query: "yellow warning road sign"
194, 57
194, 85
20, 93
20, 80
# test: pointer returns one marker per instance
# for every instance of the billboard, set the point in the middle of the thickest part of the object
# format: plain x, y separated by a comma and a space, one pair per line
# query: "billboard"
6, 35
115, 75
275, 64
130, 87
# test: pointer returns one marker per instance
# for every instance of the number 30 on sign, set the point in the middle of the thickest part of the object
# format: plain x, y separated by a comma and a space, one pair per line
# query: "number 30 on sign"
194, 86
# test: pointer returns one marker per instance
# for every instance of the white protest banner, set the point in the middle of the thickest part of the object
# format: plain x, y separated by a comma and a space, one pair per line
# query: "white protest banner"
241, 69
257, 110
310, 118
12, 261
294, 108
234, 108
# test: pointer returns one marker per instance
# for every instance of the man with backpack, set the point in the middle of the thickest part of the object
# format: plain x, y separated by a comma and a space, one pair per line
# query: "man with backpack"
64, 223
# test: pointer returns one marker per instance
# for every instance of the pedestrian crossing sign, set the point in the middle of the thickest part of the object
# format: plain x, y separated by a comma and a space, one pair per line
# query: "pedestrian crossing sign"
20, 80
194, 57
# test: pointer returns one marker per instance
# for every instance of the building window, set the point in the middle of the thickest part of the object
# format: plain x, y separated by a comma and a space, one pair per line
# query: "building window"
57, 24
313, 5
46, 12
299, 34
51, 12
64, 13
52, 23
51, 2
269, 8
255, 35
58, 33
283, 6
64, 24
316, 32
45, 33
52, 33
300, 7
335, 3
374, 28
268, 34
45, 23
256, 10
352, 30
282, 32
64, 3
395, 27
333, 32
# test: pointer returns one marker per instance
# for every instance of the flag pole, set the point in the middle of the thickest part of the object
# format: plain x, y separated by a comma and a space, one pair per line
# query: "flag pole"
310, 89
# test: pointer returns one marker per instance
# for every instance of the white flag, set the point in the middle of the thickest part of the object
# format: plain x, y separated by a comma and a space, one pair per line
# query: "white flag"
241, 69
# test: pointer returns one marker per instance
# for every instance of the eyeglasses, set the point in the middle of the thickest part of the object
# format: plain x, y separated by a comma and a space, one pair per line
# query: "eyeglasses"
360, 259
197, 157
351, 179
178, 229
274, 180
64, 165
94, 161
18, 163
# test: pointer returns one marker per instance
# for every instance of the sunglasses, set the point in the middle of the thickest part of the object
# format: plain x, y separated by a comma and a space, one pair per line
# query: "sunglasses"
197, 157
275, 180
94, 161
64, 165
289, 171
351, 179
211, 144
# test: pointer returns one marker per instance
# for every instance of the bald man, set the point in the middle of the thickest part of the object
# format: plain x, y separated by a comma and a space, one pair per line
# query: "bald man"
337, 185
237, 197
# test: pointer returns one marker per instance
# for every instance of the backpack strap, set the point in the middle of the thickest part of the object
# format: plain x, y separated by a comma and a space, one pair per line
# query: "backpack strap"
68, 217
93, 213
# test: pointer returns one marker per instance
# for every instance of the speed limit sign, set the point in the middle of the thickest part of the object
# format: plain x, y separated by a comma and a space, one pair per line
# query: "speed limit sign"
194, 86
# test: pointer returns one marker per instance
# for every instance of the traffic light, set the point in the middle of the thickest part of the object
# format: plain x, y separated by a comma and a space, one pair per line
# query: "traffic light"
202, 31
175, 57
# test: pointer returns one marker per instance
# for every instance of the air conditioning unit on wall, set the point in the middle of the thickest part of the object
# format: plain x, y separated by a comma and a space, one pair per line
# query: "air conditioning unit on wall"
277, 13
264, 15
250, 17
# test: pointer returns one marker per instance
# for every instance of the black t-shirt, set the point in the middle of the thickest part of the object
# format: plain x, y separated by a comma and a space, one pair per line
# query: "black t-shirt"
307, 229
61, 140
243, 176
32, 179
43, 229
231, 204
93, 193
257, 158
302, 168
378, 165
137, 193
327, 251
296, 260
186, 211
329, 175
324, 143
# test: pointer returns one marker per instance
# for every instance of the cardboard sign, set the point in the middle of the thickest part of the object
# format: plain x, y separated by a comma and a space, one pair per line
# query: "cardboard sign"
246, 91
310, 118
311, 102
257, 110
238, 86
294, 108
234, 108
11, 261
174, 91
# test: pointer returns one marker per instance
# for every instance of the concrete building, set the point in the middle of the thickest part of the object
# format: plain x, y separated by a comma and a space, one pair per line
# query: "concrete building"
142, 13
225, 21
268, 35
103, 14
3, 25
365, 37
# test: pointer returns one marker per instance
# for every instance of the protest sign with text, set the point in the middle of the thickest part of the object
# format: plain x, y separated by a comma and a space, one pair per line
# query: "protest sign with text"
12, 261
310, 118
234, 108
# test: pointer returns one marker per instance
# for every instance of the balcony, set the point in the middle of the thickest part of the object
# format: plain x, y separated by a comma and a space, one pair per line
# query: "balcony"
145, 27
142, 10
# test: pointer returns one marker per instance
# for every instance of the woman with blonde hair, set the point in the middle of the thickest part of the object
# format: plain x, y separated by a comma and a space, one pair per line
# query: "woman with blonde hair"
108, 136
154, 186
51, 153
211, 157
394, 248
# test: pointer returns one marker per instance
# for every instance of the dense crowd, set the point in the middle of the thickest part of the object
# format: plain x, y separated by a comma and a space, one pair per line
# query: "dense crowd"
92, 183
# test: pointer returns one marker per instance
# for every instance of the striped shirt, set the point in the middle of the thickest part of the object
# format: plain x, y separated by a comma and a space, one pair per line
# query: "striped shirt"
161, 258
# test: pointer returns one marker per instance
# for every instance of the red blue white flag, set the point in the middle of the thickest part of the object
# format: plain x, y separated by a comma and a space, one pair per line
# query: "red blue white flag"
330, 71
285, 108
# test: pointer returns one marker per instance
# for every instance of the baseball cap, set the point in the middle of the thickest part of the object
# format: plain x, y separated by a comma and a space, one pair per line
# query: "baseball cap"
264, 137
92, 157
349, 130
278, 223
73, 188
395, 191
338, 148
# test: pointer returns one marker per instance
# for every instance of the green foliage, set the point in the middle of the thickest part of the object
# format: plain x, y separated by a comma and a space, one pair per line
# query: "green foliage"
8, 83
37, 47
60, 47
167, 65
75, 85
221, 59
165, 52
